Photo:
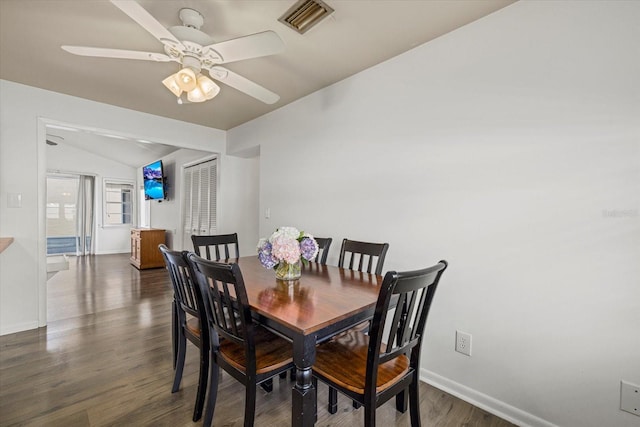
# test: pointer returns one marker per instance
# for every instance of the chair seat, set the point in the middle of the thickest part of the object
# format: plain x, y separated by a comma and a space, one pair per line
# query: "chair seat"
343, 361
272, 352
193, 325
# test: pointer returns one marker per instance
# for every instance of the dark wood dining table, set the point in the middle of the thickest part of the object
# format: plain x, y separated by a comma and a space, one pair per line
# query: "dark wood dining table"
325, 301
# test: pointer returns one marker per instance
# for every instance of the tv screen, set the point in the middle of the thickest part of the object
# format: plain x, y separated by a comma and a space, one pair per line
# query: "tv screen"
153, 181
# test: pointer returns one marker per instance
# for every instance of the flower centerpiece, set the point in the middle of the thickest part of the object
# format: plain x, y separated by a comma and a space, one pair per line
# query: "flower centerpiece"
285, 250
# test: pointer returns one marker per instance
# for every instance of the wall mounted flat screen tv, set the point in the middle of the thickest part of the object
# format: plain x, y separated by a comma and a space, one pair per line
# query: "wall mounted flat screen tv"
153, 176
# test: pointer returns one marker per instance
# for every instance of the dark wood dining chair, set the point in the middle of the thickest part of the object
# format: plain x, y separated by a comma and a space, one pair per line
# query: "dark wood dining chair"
216, 247
360, 256
246, 350
373, 368
323, 249
189, 322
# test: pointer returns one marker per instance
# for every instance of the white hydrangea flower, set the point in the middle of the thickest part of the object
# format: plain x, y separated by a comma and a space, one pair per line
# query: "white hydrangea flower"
286, 232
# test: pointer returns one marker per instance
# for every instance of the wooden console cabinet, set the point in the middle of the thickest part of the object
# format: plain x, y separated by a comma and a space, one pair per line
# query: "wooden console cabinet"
144, 247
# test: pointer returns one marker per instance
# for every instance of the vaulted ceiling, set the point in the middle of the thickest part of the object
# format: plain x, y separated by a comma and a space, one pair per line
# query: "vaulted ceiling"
358, 35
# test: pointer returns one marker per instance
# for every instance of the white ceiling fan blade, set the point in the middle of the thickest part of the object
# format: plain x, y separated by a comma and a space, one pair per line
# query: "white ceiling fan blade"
244, 85
251, 46
147, 21
116, 53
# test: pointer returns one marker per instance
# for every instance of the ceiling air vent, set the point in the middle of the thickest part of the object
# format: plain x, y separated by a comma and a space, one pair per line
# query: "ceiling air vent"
54, 139
305, 14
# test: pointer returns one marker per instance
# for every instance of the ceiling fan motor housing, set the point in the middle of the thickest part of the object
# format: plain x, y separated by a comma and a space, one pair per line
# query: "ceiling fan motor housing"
191, 18
193, 40
192, 62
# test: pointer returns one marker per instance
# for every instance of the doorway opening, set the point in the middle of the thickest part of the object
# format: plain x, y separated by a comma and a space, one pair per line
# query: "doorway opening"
70, 214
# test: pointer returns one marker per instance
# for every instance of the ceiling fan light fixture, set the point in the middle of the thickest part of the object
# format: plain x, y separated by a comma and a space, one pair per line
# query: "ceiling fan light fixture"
203, 89
194, 50
196, 95
186, 79
208, 87
171, 84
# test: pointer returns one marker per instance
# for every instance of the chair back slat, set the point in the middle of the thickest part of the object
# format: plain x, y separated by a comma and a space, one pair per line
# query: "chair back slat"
323, 249
222, 301
361, 253
213, 244
410, 313
186, 293
412, 293
226, 302
395, 325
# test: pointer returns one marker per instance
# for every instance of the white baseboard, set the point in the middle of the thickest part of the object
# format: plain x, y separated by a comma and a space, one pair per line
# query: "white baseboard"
483, 401
116, 251
18, 327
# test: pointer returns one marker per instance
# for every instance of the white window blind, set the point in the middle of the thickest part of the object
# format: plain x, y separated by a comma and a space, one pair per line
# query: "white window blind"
200, 188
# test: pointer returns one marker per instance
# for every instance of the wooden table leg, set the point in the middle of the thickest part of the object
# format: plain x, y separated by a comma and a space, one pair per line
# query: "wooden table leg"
303, 402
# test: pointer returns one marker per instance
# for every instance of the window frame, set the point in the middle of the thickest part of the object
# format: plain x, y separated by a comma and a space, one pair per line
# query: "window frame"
133, 195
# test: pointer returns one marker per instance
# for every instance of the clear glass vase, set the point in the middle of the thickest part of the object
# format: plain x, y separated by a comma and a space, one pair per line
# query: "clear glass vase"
288, 272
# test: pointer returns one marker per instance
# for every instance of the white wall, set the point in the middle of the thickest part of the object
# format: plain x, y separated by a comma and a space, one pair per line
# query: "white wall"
24, 111
65, 158
511, 148
239, 186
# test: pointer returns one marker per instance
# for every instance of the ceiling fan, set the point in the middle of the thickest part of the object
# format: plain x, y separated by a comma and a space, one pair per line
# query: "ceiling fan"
195, 51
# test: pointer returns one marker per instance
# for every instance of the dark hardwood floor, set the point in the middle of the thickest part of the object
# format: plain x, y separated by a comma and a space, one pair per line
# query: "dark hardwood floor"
105, 360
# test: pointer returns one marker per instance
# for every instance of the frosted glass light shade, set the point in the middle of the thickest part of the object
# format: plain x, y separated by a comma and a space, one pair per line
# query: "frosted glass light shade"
202, 87
196, 95
171, 84
208, 87
186, 79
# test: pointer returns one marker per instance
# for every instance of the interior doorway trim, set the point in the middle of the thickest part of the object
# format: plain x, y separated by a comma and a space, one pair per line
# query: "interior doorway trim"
41, 244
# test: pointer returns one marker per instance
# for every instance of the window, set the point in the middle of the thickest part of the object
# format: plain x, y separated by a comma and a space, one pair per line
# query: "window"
118, 202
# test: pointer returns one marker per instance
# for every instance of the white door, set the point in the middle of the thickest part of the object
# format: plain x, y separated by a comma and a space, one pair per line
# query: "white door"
200, 195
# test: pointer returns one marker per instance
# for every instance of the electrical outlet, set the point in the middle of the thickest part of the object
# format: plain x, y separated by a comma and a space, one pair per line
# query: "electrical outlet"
463, 343
630, 398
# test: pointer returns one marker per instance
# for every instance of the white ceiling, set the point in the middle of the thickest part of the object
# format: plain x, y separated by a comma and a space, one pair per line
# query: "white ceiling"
358, 35
131, 152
